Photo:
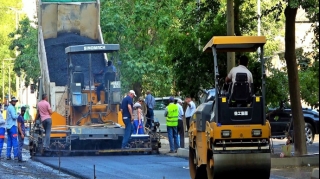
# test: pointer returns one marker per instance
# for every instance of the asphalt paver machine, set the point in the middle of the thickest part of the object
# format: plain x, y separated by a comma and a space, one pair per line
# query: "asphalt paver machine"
89, 126
229, 137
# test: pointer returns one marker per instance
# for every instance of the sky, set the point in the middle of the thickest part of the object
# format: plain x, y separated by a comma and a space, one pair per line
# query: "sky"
29, 7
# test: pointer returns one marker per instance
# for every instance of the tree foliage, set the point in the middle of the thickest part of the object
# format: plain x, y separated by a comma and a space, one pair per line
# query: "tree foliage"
141, 28
8, 16
24, 40
192, 68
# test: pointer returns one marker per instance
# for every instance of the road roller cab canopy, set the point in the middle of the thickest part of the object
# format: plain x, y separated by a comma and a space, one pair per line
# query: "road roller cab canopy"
235, 43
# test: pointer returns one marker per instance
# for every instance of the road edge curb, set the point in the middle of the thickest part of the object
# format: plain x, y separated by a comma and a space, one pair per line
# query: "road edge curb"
315, 173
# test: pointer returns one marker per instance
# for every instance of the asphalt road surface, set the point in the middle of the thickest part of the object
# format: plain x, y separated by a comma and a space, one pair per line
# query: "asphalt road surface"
139, 166
117, 167
124, 167
28, 170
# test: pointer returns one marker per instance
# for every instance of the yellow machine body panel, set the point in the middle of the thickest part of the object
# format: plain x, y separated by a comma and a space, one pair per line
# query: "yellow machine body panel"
102, 111
58, 123
240, 131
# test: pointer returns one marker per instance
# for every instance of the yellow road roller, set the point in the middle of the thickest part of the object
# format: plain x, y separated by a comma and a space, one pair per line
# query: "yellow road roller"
229, 137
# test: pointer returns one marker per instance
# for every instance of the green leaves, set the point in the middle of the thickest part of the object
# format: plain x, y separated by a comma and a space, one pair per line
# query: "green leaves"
141, 28
24, 40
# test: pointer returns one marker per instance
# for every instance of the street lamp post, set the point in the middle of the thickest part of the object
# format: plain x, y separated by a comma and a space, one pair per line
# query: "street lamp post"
18, 86
9, 83
6, 59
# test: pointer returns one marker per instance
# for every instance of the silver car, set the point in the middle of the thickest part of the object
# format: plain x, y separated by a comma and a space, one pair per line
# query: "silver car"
161, 104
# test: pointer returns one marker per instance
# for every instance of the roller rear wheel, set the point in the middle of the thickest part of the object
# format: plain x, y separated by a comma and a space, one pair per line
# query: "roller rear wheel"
192, 163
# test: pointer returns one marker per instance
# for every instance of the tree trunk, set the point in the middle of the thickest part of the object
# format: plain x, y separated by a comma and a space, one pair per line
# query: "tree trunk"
294, 85
237, 4
137, 88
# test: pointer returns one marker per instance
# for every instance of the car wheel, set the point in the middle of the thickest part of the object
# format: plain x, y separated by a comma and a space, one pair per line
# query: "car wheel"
309, 133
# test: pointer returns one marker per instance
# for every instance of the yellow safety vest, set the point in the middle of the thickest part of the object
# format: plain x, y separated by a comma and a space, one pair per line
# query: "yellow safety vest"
173, 114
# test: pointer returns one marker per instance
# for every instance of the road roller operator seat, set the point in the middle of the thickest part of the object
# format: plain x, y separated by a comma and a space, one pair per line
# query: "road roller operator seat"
78, 76
240, 92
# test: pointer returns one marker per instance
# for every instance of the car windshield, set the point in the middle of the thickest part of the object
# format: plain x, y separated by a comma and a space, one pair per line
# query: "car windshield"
159, 105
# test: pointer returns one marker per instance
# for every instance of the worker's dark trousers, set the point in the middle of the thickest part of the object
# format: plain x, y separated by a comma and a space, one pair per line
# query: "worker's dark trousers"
188, 122
21, 142
150, 116
181, 132
47, 123
99, 88
127, 132
173, 138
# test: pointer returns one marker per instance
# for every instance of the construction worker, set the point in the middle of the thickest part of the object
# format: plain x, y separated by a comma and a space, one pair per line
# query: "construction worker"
241, 68
127, 117
180, 128
172, 115
138, 118
44, 113
150, 102
2, 132
11, 125
191, 108
21, 133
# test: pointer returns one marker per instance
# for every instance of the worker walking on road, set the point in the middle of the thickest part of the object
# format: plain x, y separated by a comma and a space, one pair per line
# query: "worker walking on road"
150, 102
12, 141
2, 132
181, 130
127, 117
44, 112
172, 115
21, 133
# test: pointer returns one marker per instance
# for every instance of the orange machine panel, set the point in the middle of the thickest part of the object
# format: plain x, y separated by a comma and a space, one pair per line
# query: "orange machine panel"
58, 123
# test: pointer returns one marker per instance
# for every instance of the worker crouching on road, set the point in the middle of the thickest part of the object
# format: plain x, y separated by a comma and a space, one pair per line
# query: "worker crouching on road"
172, 114
138, 118
2, 132
12, 141
21, 133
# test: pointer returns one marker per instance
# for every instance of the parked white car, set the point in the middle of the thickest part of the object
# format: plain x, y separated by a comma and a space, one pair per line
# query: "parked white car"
161, 104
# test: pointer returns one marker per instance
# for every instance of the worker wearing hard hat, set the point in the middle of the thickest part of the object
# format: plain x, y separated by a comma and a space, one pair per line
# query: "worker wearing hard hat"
172, 115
